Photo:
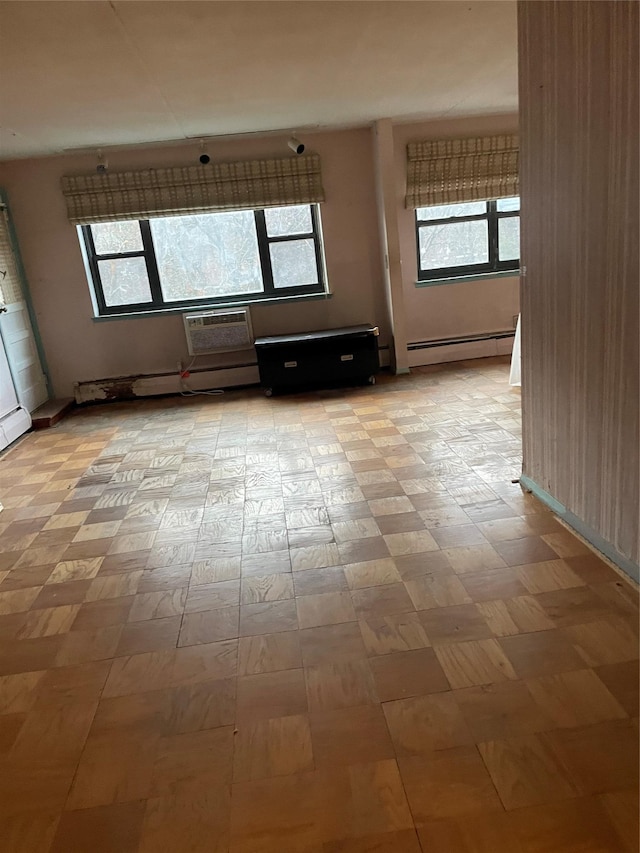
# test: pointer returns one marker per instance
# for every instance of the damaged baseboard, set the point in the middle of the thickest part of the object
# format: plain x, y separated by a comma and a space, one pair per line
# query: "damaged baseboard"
132, 387
459, 349
158, 384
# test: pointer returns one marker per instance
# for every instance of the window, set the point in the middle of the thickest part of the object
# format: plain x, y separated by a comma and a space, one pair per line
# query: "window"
470, 238
182, 261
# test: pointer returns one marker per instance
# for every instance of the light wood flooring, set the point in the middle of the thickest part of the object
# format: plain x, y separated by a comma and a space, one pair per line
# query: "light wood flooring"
312, 624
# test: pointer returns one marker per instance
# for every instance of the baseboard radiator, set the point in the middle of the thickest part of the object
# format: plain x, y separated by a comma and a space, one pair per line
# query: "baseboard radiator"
159, 384
132, 387
459, 348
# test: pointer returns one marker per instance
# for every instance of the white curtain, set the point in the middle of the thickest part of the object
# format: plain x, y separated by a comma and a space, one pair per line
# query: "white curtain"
514, 375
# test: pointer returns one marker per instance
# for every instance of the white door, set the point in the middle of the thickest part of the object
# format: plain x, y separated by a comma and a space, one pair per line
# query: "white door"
15, 327
14, 420
8, 397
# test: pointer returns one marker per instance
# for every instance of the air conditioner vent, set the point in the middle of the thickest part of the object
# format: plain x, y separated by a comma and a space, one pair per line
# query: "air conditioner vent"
218, 331
223, 319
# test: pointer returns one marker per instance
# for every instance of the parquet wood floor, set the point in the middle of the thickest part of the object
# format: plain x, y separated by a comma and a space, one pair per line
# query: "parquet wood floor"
325, 623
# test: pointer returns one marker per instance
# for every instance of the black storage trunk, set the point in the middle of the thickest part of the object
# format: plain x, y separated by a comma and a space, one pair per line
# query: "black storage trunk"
331, 356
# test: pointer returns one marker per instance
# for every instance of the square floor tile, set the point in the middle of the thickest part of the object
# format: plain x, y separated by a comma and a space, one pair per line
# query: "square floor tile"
209, 626
278, 746
315, 581
327, 608
435, 590
101, 829
572, 699
526, 772
372, 573
600, 757
270, 617
455, 624
271, 694
541, 653
424, 724
150, 636
332, 643
410, 543
396, 632
402, 674
269, 653
505, 709
621, 679
382, 600
520, 615
353, 735
474, 662
531, 549
331, 686
448, 783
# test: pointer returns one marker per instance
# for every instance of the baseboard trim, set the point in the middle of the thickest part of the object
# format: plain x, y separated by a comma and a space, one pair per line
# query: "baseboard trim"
159, 384
583, 530
132, 387
437, 352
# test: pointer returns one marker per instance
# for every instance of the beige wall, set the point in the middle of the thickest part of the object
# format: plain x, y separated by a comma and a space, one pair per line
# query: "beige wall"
579, 187
449, 310
79, 349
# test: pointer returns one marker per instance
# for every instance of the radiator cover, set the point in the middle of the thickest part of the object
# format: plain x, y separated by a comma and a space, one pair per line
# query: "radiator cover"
319, 358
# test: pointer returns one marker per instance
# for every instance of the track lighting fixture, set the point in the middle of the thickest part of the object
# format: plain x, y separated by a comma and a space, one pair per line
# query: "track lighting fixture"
295, 145
103, 164
204, 157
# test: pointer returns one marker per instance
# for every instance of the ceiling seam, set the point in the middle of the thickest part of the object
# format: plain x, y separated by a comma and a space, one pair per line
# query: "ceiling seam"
138, 57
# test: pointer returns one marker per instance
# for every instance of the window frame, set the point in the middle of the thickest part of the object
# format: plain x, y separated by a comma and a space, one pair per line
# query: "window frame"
158, 303
494, 265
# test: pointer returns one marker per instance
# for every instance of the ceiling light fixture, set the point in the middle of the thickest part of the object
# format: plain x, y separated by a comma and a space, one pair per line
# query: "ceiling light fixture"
204, 157
103, 164
295, 145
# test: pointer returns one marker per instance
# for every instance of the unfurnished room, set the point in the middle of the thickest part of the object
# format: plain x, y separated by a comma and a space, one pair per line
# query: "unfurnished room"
319, 426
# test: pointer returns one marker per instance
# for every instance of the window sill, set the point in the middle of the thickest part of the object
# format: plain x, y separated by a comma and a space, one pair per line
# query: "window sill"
162, 312
485, 276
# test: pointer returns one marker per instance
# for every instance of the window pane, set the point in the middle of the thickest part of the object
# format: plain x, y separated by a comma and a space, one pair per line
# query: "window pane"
282, 221
444, 211
112, 238
293, 263
215, 254
454, 245
508, 203
124, 281
509, 238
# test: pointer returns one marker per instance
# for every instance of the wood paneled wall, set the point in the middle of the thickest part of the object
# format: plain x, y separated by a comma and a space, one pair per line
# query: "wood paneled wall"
579, 123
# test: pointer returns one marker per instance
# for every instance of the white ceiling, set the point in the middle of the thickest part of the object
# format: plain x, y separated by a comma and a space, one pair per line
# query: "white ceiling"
94, 74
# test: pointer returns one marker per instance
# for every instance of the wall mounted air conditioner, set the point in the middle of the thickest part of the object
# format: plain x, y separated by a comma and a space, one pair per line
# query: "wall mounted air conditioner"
218, 331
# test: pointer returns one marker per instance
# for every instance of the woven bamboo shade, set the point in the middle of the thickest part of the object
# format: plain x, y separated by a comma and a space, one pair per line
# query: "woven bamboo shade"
193, 189
448, 171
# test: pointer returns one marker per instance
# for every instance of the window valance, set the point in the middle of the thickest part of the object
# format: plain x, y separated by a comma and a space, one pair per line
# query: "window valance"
193, 189
448, 171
